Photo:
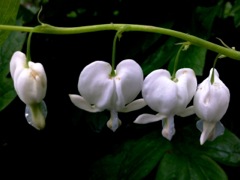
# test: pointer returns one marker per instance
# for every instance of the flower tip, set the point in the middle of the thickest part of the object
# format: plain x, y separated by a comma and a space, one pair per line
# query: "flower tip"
168, 134
203, 139
36, 122
113, 127
36, 115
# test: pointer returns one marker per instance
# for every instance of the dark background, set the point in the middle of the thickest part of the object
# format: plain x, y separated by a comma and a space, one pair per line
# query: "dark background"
68, 145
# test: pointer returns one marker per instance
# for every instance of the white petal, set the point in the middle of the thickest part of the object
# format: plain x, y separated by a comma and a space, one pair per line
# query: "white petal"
160, 92
207, 132
135, 105
37, 119
113, 123
96, 86
186, 77
129, 81
81, 103
31, 85
211, 100
17, 64
218, 130
187, 112
187, 85
148, 118
39, 73
18, 60
168, 127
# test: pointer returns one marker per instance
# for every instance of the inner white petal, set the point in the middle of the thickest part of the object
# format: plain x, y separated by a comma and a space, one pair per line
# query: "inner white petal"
114, 123
168, 127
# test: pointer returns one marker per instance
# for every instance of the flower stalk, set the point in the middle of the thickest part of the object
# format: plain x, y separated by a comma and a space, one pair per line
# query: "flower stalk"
49, 29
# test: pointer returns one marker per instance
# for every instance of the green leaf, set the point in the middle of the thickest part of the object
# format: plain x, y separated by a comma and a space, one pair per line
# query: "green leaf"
203, 20
181, 158
108, 167
189, 160
10, 42
134, 159
13, 43
143, 155
203, 167
7, 92
160, 57
225, 149
236, 13
96, 122
147, 44
8, 11
173, 166
181, 166
193, 57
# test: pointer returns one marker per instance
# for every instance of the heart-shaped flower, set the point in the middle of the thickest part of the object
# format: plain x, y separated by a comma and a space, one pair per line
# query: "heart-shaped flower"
30, 83
211, 102
101, 90
168, 97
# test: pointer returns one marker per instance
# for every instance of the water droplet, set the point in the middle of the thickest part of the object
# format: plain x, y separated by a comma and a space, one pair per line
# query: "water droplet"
28, 114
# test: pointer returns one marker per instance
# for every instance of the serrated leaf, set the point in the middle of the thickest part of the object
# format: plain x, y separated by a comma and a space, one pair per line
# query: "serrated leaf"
8, 11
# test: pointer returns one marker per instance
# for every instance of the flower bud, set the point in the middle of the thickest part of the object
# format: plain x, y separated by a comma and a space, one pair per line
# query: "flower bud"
211, 102
30, 83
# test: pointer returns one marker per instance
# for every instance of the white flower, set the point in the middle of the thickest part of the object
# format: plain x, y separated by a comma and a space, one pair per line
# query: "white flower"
211, 103
168, 97
30, 83
100, 90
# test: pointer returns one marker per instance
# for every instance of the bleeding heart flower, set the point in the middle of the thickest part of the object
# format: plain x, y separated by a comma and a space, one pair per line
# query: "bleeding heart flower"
211, 103
30, 83
101, 90
168, 97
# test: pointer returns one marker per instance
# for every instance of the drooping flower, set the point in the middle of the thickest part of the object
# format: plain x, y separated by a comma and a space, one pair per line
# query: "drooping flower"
168, 97
30, 83
211, 102
100, 90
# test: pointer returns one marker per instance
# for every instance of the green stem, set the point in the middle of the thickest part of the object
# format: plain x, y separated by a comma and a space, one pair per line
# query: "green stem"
117, 36
48, 29
114, 53
214, 64
28, 47
176, 61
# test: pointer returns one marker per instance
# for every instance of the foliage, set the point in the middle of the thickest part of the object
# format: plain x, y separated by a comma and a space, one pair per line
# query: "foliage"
134, 152
182, 158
